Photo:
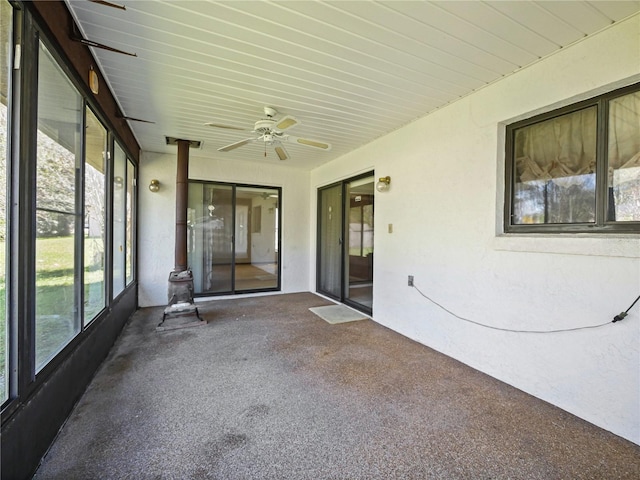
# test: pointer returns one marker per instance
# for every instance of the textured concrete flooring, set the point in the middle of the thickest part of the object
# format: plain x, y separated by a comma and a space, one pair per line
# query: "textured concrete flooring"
267, 390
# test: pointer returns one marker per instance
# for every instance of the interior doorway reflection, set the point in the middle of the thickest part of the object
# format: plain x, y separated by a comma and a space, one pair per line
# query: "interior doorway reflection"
233, 240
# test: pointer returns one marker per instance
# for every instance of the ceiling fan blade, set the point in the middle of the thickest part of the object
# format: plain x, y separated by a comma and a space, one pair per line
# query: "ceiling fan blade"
226, 127
281, 152
137, 119
109, 4
286, 122
232, 146
308, 143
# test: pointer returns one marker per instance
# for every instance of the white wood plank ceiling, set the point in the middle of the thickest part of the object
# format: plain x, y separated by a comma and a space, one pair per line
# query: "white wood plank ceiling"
349, 71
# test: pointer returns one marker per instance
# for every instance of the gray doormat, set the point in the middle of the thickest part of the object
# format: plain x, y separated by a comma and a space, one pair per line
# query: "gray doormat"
338, 314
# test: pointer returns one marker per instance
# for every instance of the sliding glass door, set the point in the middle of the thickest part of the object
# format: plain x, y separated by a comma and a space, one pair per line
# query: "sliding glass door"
358, 271
330, 241
233, 239
211, 226
345, 242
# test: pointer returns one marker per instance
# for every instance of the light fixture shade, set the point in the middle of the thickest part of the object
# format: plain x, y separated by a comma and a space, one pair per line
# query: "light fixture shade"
154, 185
383, 184
94, 84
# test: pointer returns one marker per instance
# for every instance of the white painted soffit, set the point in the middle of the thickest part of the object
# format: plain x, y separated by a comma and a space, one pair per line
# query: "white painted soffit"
349, 71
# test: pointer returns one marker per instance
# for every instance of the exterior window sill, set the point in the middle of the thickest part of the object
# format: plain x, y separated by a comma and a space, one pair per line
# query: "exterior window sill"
627, 246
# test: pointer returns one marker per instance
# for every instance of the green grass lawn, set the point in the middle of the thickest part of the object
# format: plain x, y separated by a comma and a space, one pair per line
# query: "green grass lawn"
56, 322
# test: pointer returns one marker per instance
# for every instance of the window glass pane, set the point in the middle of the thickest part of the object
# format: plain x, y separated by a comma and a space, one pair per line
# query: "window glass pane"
358, 269
119, 215
58, 157
330, 238
130, 225
56, 322
232, 238
624, 159
6, 19
554, 171
210, 237
94, 216
256, 265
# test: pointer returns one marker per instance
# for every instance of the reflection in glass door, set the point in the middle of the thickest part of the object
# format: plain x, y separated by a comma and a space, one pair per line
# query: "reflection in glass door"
330, 241
211, 225
345, 242
256, 260
233, 238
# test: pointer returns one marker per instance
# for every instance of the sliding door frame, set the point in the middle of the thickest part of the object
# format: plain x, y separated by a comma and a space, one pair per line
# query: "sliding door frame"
319, 243
234, 203
344, 243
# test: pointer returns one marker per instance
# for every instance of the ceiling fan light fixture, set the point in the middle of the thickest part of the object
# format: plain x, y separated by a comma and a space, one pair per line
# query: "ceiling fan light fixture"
270, 112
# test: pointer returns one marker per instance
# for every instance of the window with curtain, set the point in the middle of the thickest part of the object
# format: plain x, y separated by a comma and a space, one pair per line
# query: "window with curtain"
576, 169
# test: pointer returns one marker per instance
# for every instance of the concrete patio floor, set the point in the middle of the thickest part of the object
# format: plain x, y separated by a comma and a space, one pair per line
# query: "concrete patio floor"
267, 390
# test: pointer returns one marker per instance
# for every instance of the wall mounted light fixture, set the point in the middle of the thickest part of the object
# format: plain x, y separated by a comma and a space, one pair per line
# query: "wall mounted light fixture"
154, 186
383, 184
94, 84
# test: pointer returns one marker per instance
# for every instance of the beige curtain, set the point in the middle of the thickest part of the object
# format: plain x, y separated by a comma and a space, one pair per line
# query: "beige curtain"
560, 149
624, 133
566, 146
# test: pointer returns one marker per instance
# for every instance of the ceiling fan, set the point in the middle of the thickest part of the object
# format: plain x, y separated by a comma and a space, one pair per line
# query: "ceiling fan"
272, 133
